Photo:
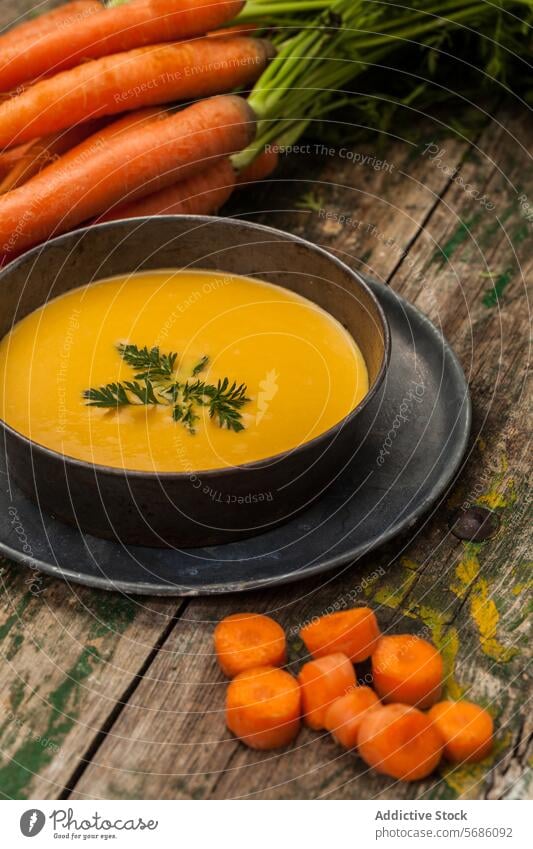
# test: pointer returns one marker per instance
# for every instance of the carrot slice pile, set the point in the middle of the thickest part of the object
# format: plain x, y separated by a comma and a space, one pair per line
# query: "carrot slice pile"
263, 707
400, 741
343, 718
354, 632
248, 640
407, 669
466, 728
322, 681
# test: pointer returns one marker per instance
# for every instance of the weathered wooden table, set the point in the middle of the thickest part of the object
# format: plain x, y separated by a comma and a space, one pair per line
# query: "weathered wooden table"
104, 696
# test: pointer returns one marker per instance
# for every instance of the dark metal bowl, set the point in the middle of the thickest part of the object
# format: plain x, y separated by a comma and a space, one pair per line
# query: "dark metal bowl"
205, 507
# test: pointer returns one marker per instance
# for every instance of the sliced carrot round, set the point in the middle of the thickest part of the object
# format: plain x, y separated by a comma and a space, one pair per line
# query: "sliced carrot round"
247, 640
466, 729
345, 715
407, 669
263, 707
322, 681
354, 632
400, 741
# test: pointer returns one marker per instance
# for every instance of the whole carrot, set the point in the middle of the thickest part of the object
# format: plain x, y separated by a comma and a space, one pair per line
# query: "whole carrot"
201, 194
159, 74
75, 11
134, 164
136, 24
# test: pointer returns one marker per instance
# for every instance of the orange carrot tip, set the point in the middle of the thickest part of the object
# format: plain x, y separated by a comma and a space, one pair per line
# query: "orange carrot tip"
407, 669
323, 681
466, 728
247, 640
343, 718
354, 632
263, 707
400, 741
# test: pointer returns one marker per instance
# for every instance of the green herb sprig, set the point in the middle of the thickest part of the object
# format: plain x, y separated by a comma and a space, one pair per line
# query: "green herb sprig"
156, 382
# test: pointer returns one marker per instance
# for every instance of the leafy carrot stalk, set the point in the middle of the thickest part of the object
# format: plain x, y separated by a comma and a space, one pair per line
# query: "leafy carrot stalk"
201, 194
76, 10
263, 707
129, 81
261, 168
41, 153
139, 23
134, 164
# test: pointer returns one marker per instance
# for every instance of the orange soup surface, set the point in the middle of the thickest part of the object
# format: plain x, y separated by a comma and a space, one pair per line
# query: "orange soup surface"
300, 372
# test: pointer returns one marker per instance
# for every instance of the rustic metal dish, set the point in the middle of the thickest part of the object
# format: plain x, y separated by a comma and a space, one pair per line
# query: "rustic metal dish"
178, 509
350, 520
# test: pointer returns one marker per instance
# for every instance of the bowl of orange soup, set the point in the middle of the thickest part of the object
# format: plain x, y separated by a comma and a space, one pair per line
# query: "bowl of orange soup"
183, 381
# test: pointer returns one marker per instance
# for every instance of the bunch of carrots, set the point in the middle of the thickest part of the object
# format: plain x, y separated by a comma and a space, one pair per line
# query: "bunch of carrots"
146, 107
85, 131
398, 726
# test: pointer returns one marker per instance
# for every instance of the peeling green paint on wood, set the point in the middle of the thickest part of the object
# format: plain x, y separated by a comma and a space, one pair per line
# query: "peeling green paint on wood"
444, 254
492, 296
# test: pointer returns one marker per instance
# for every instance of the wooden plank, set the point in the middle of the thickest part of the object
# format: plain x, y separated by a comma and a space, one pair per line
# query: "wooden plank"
69, 656
170, 742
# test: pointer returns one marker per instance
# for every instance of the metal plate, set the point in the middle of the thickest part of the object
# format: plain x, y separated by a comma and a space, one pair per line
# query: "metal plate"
417, 431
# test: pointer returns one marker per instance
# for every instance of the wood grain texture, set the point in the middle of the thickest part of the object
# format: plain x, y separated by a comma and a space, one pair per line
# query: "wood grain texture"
109, 697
